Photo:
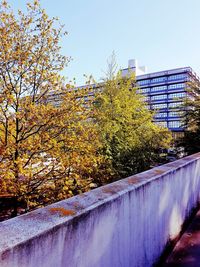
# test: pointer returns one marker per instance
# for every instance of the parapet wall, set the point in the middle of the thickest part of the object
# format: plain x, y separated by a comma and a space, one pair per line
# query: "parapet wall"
124, 224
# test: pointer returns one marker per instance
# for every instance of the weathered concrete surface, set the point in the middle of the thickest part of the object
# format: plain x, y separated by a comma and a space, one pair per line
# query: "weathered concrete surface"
187, 251
124, 224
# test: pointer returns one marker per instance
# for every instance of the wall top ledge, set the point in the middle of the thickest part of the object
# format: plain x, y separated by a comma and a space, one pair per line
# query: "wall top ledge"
19, 230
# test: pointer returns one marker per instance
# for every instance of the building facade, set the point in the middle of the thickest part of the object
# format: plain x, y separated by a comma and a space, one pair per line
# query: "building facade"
165, 93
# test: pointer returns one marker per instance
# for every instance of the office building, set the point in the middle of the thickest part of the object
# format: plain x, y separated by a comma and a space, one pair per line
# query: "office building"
165, 92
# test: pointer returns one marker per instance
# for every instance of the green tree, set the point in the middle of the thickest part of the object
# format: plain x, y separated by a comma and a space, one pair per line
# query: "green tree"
191, 138
130, 138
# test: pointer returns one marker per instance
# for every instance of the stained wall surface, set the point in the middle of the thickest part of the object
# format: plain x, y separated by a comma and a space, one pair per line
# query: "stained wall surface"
124, 224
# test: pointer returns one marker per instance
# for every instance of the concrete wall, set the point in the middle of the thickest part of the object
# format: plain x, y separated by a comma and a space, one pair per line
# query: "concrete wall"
127, 223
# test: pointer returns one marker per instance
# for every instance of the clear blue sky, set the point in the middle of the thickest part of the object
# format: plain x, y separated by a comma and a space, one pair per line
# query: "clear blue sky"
161, 34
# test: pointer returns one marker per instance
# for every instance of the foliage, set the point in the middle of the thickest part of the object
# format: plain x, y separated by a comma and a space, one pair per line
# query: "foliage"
191, 139
53, 143
130, 139
46, 152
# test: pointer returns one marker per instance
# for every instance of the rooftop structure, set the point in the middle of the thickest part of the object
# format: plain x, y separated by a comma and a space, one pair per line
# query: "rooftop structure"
133, 66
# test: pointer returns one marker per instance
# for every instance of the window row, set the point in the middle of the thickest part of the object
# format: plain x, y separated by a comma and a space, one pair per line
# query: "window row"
164, 105
177, 95
170, 114
144, 90
177, 77
159, 106
162, 79
160, 115
161, 88
174, 124
158, 88
159, 97
165, 96
175, 105
143, 82
176, 114
177, 85
159, 79
171, 124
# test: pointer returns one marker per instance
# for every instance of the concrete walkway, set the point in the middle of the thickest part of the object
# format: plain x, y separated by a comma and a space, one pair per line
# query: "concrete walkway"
187, 251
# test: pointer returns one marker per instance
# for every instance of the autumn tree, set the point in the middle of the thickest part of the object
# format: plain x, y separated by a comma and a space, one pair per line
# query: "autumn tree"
130, 137
46, 151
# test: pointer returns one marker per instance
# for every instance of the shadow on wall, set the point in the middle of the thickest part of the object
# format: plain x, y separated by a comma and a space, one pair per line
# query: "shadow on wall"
186, 252
179, 200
